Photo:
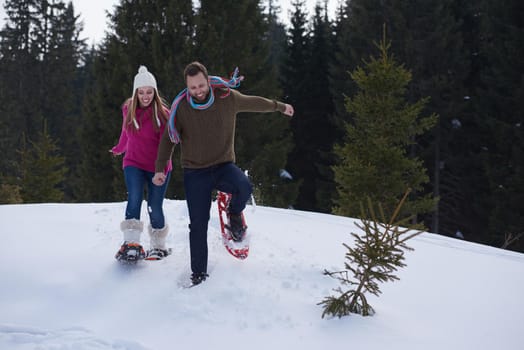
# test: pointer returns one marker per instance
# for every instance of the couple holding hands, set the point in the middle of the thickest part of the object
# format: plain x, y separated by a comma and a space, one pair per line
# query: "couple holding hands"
202, 121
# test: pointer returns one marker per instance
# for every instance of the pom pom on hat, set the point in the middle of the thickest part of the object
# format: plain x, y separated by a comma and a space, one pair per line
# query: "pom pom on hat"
143, 78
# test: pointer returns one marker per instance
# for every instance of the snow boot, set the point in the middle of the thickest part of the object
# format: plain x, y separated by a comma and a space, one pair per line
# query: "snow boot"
236, 227
198, 277
158, 249
131, 250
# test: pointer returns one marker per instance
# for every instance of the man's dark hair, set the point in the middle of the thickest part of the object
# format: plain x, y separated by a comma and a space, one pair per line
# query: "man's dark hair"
193, 69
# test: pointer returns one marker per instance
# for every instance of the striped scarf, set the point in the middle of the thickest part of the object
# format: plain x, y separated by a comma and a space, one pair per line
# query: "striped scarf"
214, 83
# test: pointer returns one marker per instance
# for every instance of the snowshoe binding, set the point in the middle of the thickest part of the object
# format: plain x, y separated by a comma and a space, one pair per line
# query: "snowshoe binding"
130, 252
157, 254
236, 227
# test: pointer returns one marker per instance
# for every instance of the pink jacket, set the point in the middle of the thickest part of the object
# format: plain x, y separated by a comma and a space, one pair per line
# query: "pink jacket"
140, 146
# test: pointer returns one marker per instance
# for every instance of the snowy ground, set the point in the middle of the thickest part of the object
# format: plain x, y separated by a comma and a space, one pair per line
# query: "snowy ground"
62, 289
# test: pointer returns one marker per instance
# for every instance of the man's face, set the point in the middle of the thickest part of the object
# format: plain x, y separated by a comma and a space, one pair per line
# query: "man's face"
198, 86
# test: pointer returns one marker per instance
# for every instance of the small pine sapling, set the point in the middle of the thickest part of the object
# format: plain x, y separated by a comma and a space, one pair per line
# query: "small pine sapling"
378, 252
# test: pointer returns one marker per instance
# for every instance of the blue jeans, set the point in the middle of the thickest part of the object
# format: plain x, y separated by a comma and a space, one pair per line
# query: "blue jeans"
136, 179
199, 185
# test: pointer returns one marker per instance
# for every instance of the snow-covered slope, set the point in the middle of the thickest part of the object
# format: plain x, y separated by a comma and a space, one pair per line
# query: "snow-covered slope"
62, 289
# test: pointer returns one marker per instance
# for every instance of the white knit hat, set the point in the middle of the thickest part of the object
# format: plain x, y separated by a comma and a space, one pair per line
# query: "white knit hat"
143, 78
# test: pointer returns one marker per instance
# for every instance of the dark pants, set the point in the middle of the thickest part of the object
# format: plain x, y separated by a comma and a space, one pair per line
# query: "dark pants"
199, 185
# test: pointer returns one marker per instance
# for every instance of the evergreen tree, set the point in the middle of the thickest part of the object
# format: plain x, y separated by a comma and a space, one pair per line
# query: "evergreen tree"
500, 110
61, 97
89, 153
360, 22
17, 86
283, 190
428, 38
320, 115
377, 253
294, 82
452, 151
221, 46
39, 54
158, 34
10, 194
315, 127
341, 65
277, 37
429, 41
43, 170
96, 172
374, 160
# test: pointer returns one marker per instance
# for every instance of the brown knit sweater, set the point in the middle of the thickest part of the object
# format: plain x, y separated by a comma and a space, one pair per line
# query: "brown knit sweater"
208, 136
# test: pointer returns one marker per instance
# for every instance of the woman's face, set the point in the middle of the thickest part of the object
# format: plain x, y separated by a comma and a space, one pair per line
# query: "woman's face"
145, 96
198, 86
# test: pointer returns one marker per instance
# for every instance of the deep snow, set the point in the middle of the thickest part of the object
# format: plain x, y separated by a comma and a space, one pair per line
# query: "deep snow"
62, 289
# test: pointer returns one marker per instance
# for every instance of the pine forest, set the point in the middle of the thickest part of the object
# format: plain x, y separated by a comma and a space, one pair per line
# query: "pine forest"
389, 96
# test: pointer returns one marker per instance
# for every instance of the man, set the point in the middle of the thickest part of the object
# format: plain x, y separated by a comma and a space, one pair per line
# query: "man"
202, 120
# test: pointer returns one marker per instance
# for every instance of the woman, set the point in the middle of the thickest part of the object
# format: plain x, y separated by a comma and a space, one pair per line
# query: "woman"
144, 119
